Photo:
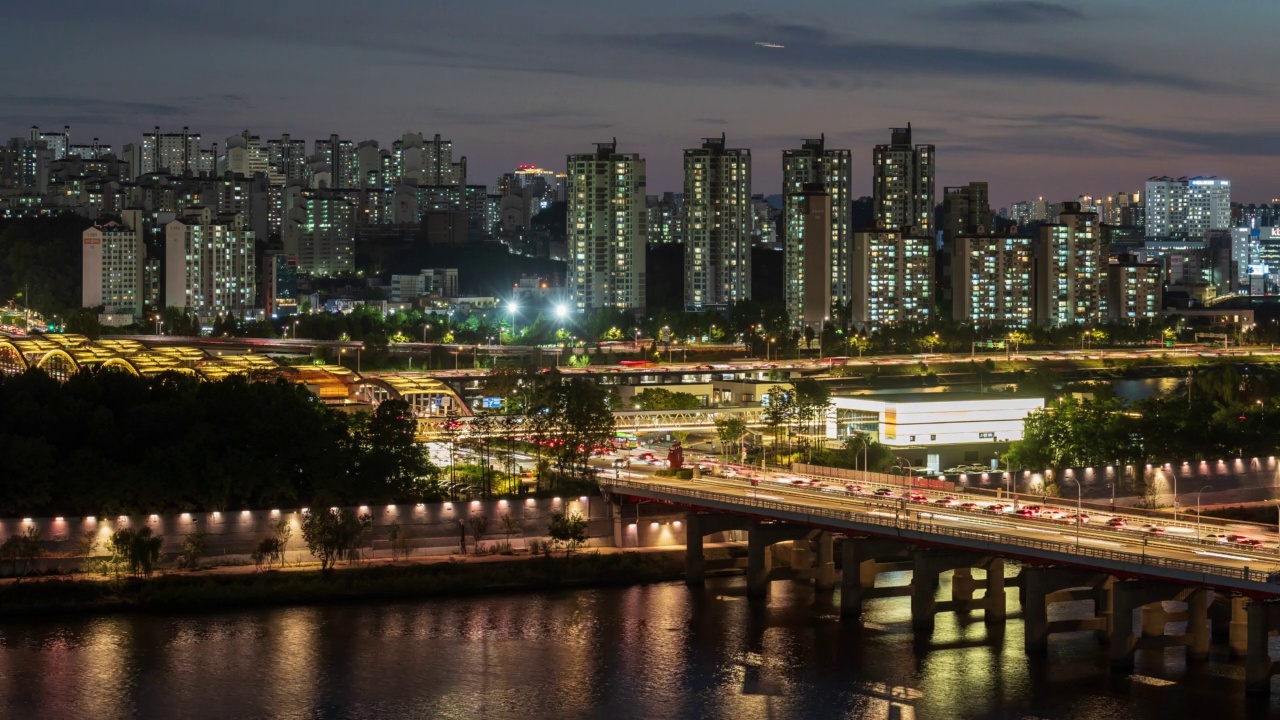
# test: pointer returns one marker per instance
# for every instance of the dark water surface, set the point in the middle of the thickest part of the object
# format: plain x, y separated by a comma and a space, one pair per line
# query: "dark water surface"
660, 651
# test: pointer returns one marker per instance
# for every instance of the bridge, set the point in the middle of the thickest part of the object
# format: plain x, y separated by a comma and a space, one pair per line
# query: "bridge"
432, 428
1122, 572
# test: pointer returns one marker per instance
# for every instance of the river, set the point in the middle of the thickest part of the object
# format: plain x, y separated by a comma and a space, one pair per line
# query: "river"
658, 651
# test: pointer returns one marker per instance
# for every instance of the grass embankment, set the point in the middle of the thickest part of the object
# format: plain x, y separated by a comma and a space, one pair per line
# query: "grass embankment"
197, 591
1262, 513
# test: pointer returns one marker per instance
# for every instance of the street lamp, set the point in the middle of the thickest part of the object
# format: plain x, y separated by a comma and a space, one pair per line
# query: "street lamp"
512, 307
1079, 508
1206, 487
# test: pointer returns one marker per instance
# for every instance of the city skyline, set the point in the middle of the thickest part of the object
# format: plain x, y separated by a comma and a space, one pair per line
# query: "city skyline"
1037, 98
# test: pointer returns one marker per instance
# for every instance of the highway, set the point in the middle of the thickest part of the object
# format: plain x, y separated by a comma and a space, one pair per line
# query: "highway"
1177, 542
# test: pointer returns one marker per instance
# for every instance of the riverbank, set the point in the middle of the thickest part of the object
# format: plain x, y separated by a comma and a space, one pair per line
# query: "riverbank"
238, 588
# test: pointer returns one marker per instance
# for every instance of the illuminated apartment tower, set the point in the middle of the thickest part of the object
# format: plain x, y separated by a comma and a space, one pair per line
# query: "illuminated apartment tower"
606, 228
114, 255
717, 204
335, 164
1187, 207
319, 230
902, 186
892, 276
288, 157
991, 280
808, 256
174, 153
1071, 270
429, 161
209, 268
830, 170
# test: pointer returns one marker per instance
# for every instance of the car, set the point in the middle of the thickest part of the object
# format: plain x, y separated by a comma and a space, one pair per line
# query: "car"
1215, 538
619, 462
1153, 529
916, 496
998, 507
1026, 513
1053, 514
1035, 509
885, 492
1241, 540
945, 502
957, 470
978, 468
1082, 518
1116, 523
971, 506
853, 489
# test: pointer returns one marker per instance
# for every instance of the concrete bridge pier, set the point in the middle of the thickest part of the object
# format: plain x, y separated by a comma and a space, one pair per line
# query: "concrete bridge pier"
760, 537
1047, 585
862, 560
1149, 599
697, 526
929, 566
1263, 621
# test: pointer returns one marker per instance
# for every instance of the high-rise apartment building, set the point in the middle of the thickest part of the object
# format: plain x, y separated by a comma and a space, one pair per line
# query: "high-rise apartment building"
831, 168
892, 275
114, 255
172, 153
808, 256
606, 229
966, 210
319, 230
209, 268
1071, 270
1133, 290
1187, 207
991, 280
717, 206
334, 164
245, 156
665, 218
429, 161
902, 185
280, 284
59, 143
288, 157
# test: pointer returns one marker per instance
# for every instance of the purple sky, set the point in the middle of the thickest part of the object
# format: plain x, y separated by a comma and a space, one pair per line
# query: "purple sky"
1037, 98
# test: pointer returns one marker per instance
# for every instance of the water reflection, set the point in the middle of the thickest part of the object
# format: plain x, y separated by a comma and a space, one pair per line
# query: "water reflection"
661, 651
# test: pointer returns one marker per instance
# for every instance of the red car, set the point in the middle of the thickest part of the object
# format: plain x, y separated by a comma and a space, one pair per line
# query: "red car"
1116, 523
918, 497
969, 506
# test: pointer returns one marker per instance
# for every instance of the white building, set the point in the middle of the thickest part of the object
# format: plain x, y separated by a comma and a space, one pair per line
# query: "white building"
934, 429
717, 226
174, 153
607, 229
1187, 207
209, 268
114, 255
429, 161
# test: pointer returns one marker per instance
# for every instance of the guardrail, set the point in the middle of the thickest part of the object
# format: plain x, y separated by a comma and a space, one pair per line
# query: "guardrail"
989, 539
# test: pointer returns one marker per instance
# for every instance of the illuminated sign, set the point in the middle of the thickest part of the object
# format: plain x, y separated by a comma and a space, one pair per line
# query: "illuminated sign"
491, 403
1261, 269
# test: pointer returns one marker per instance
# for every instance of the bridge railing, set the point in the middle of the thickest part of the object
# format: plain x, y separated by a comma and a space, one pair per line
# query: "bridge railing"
987, 538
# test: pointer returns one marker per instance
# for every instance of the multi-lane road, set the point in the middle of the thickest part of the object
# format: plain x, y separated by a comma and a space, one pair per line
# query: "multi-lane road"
1174, 541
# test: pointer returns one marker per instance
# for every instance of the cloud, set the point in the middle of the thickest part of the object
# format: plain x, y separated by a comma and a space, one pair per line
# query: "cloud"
1210, 142
711, 121
92, 106
823, 55
1010, 12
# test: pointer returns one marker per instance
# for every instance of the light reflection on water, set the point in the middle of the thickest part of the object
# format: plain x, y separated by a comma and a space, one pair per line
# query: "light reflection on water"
661, 651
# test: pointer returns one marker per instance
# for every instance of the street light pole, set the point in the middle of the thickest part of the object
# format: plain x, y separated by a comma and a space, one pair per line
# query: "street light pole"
1079, 508
1206, 487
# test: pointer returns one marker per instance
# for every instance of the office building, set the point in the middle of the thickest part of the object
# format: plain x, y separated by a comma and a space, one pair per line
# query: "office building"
1186, 207
114, 255
442, 281
991, 280
902, 185
829, 168
808, 256
607, 228
1071, 270
717, 244
209, 267
892, 275
1133, 290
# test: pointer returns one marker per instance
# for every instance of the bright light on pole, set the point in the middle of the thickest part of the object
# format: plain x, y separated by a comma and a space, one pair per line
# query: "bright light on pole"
512, 307
562, 311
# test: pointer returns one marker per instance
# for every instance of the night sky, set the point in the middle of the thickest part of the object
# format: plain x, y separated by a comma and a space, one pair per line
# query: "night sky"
1038, 98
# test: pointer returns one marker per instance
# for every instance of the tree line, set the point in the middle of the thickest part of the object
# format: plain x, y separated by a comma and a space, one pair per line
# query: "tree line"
113, 443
